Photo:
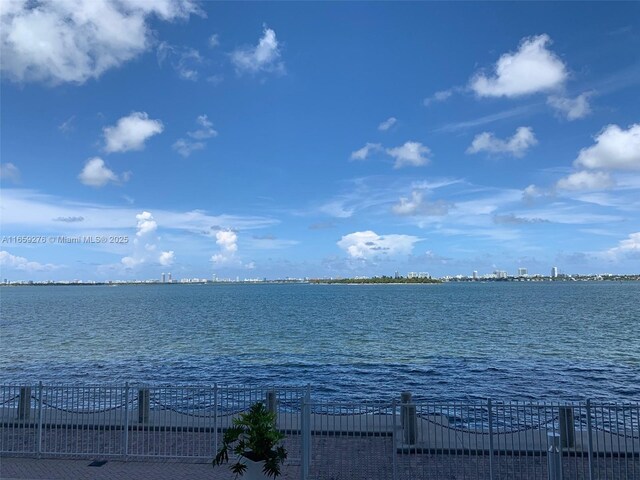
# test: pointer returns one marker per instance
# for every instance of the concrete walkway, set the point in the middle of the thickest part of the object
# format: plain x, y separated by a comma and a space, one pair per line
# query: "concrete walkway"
12, 468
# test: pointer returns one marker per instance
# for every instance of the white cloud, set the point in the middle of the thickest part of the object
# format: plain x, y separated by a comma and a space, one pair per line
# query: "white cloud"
183, 60
416, 205
186, 147
14, 262
517, 145
387, 124
530, 193
214, 40
369, 245
67, 125
205, 131
365, 151
73, 41
131, 132
586, 181
626, 246
8, 171
440, 96
131, 262
571, 108
146, 224
411, 154
30, 209
96, 174
228, 242
533, 68
494, 117
337, 209
166, 258
264, 57
615, 149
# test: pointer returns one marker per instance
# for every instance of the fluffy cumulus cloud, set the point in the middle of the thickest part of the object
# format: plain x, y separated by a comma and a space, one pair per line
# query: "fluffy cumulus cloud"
130, 132
8, 171
73, 41
369, 245
96, 174
533, 68
571, 108
410, 154
387, 124
15, 262
517, 145
585, 180
146, 224
228, 242
166, 259
264, 57
615, 149
195, 140
364, 152
417, 205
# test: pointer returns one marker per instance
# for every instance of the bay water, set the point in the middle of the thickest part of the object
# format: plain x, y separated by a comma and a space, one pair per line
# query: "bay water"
452, 341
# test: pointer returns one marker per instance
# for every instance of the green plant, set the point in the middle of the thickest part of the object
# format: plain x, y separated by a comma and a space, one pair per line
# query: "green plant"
253, 436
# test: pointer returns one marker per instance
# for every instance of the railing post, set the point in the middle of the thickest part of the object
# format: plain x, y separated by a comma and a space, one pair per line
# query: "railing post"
590, 439
39, 419
554, 457
144, 405
567, 426
490, 409
24, 403
408, 418
215, 418
272, 403
126, 420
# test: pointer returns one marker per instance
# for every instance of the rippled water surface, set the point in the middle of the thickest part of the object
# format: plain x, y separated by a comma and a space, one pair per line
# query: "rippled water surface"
451, 341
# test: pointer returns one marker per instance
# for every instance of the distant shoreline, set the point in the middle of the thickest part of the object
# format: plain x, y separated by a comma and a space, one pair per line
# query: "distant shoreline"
345, 281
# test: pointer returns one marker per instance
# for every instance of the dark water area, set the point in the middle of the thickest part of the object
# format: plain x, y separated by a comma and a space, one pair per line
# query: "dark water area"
511, 341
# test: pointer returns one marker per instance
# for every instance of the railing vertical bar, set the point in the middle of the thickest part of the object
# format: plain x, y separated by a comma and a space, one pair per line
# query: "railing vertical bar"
215, 418
39, 450
490, 409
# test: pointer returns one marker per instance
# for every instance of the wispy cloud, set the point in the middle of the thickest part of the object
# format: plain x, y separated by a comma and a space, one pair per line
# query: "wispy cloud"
8, 171
521, 111
196, 140
184, 60
387, 124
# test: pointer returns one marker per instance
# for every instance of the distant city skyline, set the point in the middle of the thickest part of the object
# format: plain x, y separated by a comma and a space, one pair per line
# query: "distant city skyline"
273, 140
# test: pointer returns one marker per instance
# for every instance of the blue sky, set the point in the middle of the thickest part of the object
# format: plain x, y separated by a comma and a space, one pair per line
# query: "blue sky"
319, 139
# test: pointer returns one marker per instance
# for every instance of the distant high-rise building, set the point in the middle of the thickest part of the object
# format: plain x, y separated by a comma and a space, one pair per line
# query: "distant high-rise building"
163, 278
169, 277
475, 274
522, 272
500, 274
554, 272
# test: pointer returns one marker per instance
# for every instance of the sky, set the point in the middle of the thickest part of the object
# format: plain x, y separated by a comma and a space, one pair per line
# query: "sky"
331, 139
